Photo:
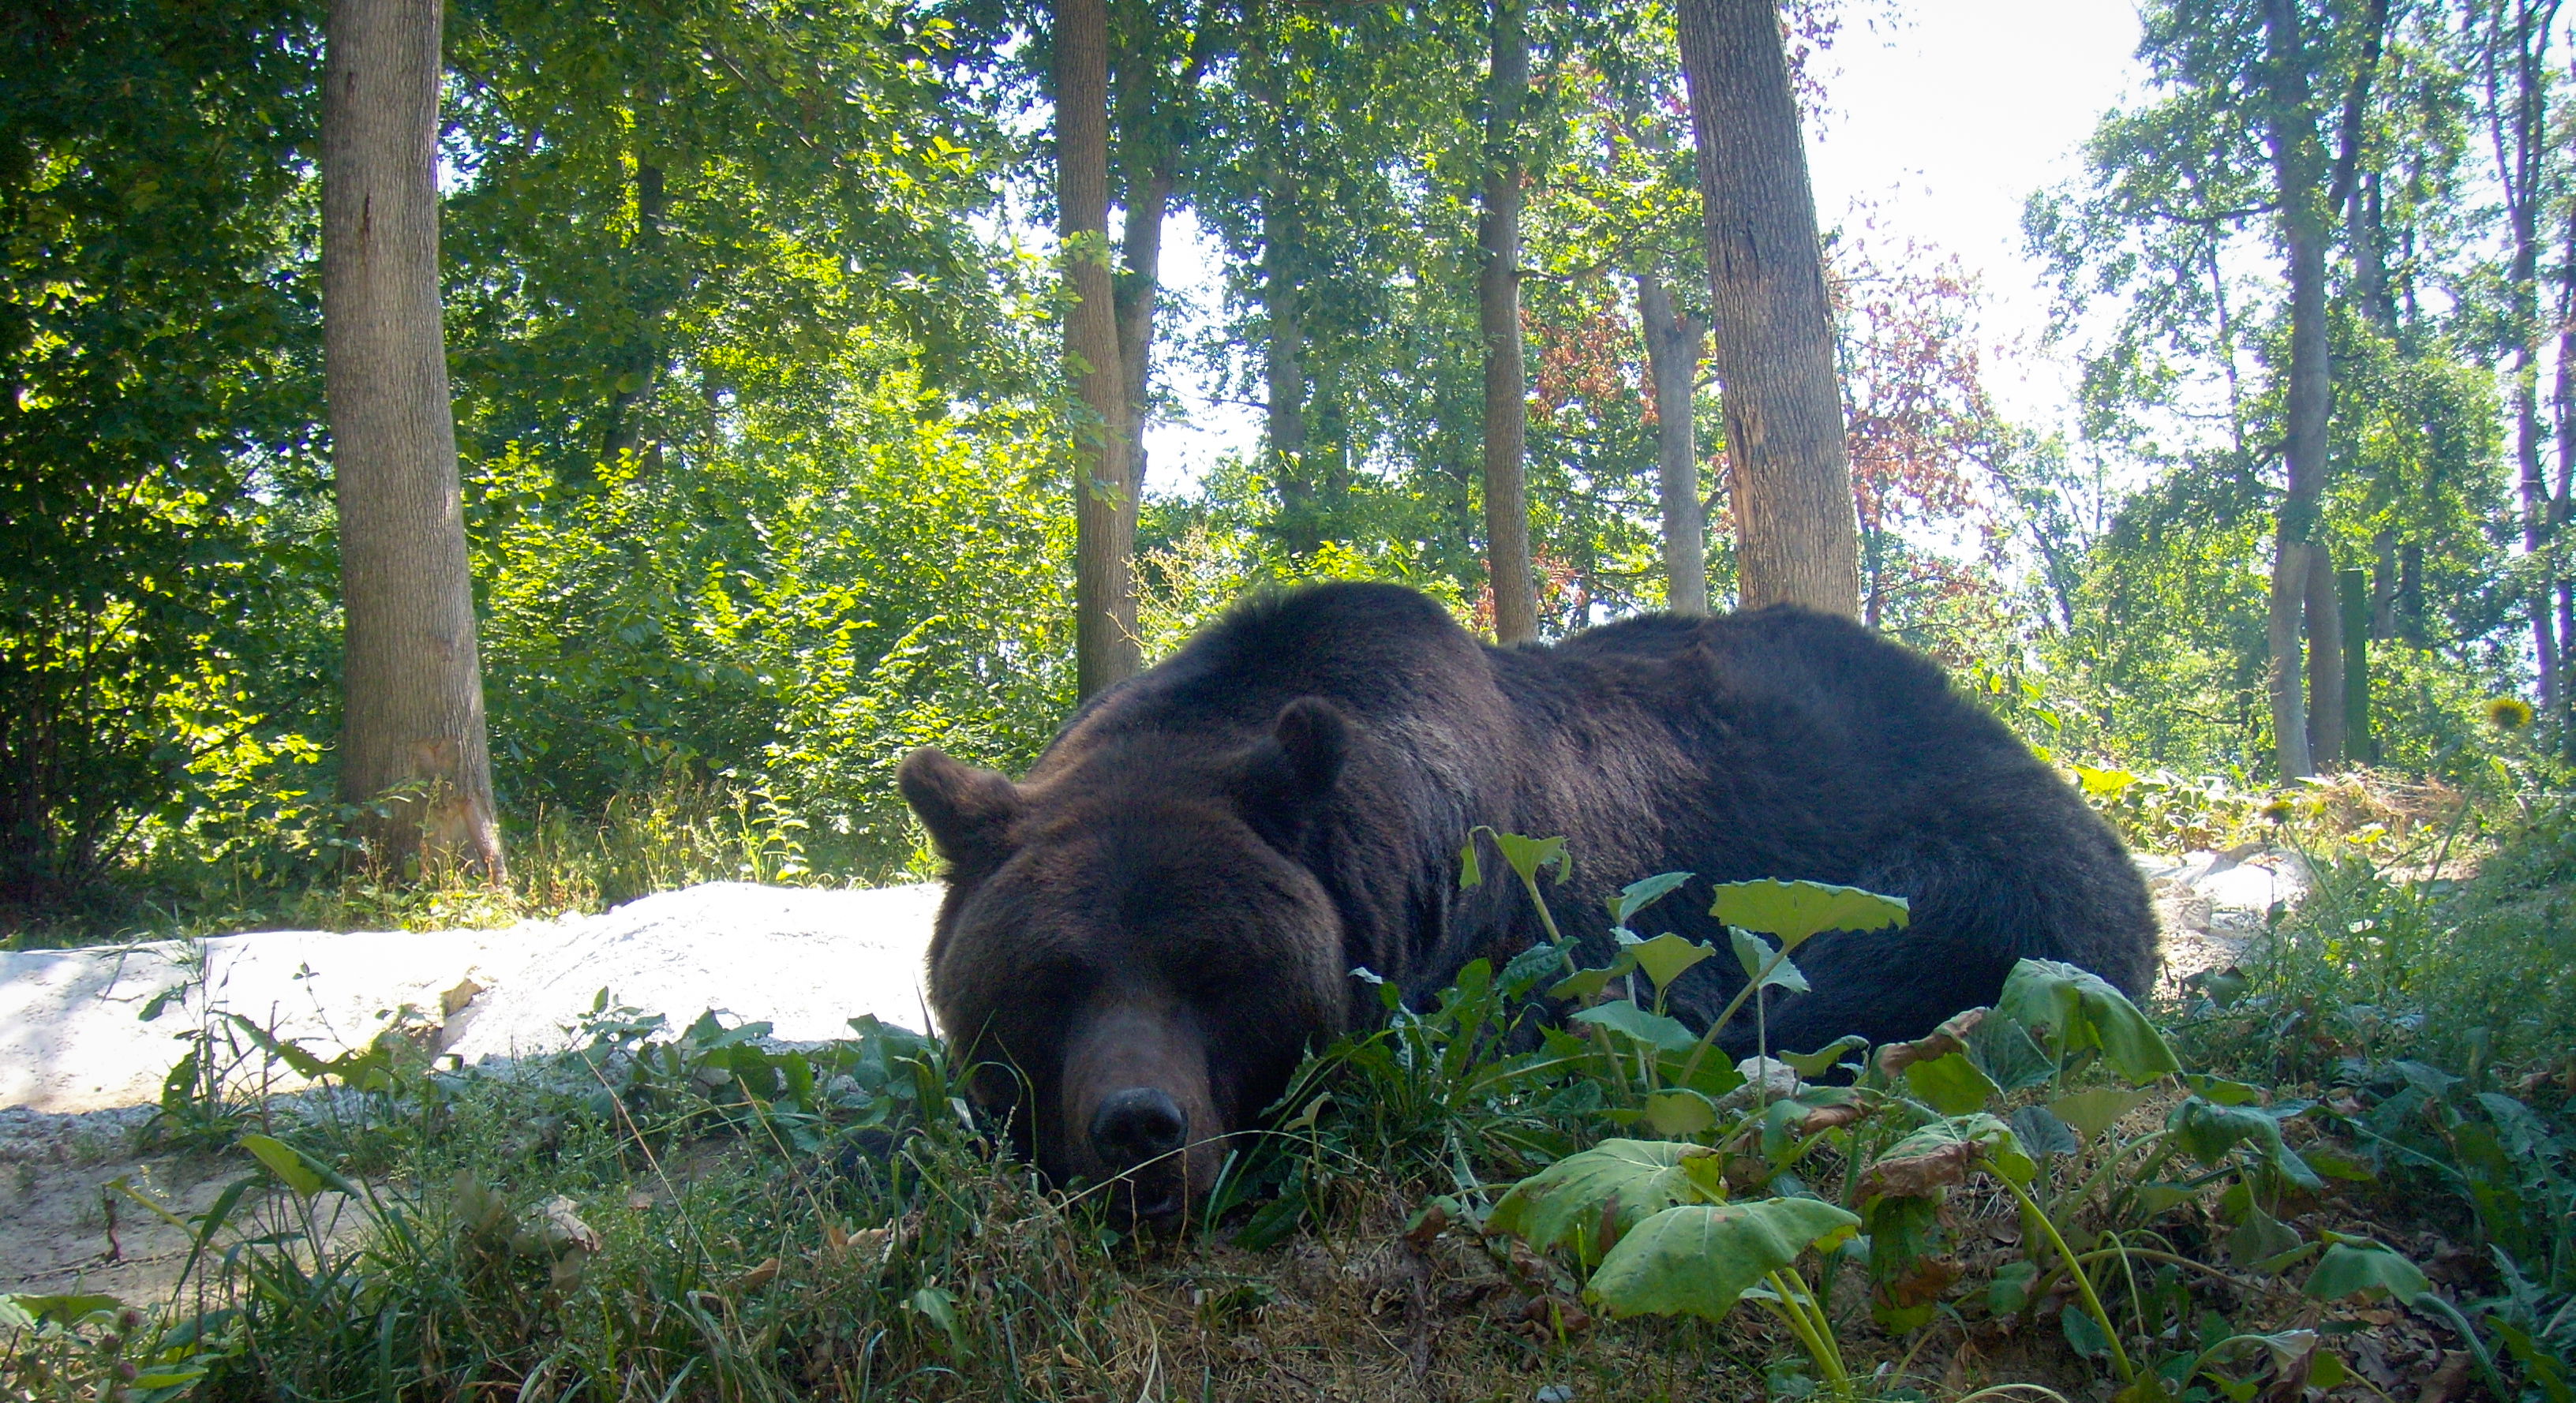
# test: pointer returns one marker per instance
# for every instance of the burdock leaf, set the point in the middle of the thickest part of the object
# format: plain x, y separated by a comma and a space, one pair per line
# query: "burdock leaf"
1609, 1188
1794, 911
1699, 1259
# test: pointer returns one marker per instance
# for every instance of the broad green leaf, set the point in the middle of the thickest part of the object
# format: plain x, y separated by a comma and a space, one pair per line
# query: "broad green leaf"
1950, 1084
2223, 1091
1527, 855
1529, 967
1679, 1113
1471, 873
2103, 784
1665, 957
2096, 1110
1700, 1259
285, 1163
1638, 895
2076, 1011
1795, 911
1943, 1153
2208, 1131
2358, 1267
1824, 1059
1588, 983
1620, 1181
1653, 1029
2042, 1134
1754, 953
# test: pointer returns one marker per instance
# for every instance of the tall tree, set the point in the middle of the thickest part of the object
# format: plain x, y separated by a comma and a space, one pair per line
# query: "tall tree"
1673, 340
1790, 473
414, 754
2514, 79
1104, 590
1498, 303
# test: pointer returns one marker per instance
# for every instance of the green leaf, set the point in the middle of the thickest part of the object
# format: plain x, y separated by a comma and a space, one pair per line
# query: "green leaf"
1824, 1059
1950, 1084
2103, 784
2359, 1267
1665, 957
2078, 1011
2094, 1111
2010, 1290
1638, 895
1796, 911
1653, 1029
938, 1305
1700, 1259
285, 1163
1679, 1113
1755, 953
1470, 874
1605, 1190
1943, 1153
1527, 855
1529, 967
2223, 1091
2085, 1334
2208, 1131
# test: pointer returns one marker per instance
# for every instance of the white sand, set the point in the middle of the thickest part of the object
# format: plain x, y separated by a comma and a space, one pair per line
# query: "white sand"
806, 961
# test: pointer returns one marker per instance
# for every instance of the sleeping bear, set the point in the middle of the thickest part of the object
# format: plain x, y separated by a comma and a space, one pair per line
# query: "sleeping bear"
1141, 938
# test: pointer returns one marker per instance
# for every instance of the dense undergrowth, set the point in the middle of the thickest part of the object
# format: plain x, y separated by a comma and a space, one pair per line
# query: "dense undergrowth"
2345, 1166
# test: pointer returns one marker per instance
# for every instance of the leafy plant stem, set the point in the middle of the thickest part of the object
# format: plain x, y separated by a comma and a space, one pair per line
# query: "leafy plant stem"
1727, 1014
1814, 1332
2083, 1280
2435, 1305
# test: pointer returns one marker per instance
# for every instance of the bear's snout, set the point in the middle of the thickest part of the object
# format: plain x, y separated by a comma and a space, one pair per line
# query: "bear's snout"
1137, 1124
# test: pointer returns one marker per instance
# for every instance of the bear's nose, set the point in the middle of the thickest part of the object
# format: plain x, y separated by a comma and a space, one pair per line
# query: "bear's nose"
1137, 1124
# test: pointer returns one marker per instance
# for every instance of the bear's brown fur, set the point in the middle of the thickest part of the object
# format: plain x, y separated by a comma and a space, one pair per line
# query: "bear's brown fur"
1156, 923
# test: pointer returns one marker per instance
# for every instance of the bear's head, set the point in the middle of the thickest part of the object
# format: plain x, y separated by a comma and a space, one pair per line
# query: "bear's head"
1131, 955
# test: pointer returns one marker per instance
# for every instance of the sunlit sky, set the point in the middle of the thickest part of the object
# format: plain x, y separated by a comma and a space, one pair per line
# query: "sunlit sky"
1944, 120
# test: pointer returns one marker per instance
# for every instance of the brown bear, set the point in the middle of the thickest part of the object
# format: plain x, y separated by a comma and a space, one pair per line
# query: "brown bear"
1153, 927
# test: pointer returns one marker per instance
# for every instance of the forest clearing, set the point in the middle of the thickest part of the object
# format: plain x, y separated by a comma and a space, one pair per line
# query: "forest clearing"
699, 700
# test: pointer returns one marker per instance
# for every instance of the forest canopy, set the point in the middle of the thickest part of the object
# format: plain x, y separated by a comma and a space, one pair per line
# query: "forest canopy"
766, 422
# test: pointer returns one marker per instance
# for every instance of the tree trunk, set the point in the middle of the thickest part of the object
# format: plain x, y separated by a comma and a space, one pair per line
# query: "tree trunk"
1141, 249
2352, 593
1672, 359
2297, 166
1104, 587
2327, 706
641, 359
415, 754
1498, 316
1796, 539
2383, 586
1284, 374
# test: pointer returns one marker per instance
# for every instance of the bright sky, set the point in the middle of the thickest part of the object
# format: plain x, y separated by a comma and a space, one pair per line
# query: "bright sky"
1945, 121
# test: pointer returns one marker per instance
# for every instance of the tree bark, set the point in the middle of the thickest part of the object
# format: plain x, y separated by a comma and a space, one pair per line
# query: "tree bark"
1672, 360
1284, 376
2328, 707
1141, 249
415, 756
2297, 165
1498, 316
1104, 587
1796, 540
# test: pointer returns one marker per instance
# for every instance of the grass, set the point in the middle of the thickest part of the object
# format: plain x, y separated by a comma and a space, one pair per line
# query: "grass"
692, 1213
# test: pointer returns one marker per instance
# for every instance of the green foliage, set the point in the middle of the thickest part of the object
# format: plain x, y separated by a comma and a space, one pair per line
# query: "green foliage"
158, 349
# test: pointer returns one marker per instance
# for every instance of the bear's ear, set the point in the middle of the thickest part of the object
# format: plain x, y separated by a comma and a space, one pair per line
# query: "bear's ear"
1290, 771
967, 810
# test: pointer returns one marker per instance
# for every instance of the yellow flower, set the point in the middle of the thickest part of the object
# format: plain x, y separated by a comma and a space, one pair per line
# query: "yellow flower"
2278, 810
2508, 713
